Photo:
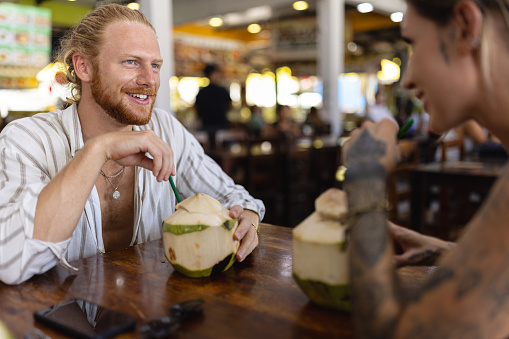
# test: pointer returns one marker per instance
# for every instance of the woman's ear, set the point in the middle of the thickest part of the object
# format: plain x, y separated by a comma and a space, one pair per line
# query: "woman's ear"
82, 67
469, 18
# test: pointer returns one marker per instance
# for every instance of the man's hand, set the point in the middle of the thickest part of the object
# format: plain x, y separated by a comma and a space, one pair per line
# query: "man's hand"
131, 149
246, 231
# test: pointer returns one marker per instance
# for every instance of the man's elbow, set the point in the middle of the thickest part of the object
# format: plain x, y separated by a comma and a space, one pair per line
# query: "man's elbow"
11, 278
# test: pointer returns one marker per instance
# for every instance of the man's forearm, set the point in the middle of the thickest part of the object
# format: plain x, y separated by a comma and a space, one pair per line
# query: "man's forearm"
61, 203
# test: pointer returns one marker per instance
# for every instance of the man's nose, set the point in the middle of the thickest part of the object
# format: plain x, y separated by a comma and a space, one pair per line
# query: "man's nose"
147, 76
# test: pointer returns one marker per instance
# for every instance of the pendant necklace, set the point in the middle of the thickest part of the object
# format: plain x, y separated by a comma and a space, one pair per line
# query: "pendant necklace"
116, 193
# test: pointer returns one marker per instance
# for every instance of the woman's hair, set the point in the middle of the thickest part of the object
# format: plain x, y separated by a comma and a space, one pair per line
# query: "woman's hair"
87, 39
441, 11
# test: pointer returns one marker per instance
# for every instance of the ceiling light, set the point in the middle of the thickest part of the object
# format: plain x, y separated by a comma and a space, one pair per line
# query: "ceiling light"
351, 46
254, 28
300, 5
216, 22
134, 6
397, 16
365, 7
259, 13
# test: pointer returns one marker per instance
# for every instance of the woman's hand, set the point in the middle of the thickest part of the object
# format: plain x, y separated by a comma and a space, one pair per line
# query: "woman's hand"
412, 248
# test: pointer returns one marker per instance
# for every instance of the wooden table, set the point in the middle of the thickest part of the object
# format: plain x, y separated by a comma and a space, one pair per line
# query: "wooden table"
257, 298
454, 184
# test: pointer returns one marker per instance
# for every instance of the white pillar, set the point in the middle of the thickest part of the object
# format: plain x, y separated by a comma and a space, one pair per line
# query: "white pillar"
331, 59
160, 15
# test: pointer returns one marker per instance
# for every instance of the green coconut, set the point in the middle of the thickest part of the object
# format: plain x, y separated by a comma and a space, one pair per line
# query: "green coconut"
320, 261
4, 332
198, 237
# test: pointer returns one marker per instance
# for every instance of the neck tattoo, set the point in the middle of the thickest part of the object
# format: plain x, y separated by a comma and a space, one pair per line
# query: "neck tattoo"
116, 193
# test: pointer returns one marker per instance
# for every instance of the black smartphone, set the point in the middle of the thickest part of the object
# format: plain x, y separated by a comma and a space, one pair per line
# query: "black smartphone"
84, 319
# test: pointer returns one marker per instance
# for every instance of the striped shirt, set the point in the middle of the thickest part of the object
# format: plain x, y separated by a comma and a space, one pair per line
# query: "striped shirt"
33, 150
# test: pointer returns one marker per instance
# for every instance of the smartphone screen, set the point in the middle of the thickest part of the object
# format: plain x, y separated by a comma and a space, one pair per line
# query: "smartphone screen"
84, 319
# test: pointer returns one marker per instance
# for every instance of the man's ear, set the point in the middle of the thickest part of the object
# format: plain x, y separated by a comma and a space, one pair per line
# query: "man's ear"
469, 19
82, 67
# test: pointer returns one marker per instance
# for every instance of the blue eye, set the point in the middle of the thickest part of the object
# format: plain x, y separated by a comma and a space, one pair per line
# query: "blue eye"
130, 62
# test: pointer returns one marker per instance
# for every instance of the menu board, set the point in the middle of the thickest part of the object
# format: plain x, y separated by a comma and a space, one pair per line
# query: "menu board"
25, 35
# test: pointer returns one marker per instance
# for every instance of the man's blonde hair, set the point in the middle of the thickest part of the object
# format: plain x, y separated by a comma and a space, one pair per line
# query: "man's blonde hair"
87, 39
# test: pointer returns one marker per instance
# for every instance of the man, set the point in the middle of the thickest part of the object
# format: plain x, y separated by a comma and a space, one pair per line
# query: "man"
212, 104
91, 178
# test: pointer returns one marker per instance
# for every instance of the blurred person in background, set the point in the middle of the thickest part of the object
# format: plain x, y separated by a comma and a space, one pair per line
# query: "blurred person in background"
315, 123
379, 110
285, 125
213, 103
481, 142
257, 123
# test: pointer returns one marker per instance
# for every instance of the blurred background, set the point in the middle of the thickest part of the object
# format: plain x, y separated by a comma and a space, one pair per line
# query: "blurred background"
270, 53
300, 75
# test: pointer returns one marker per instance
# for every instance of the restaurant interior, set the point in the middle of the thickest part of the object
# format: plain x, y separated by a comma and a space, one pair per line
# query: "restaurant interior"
269, 54
318, 67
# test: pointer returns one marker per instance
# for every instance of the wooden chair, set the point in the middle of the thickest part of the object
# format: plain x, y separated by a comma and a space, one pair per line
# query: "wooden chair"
399, 188
300, 184
452, 144
230, 137
264, 175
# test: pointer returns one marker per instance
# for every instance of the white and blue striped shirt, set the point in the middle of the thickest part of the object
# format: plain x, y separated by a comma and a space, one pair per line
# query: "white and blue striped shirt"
33, 150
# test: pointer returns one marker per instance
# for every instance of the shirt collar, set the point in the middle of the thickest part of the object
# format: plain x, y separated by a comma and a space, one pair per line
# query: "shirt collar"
72, 127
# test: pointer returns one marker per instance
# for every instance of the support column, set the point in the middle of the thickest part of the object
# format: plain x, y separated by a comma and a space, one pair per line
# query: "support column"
331, 57
160, 15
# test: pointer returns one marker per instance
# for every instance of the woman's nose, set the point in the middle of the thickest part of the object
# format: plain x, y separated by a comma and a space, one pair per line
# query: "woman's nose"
408, 81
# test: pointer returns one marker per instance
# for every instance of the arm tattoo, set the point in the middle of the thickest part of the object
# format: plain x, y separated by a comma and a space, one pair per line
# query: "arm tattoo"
445, 53
425, 258
366, 151
441, 275
370, 249
468, 282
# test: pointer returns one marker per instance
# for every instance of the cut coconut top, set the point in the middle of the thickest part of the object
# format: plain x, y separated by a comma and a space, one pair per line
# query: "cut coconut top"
199, 209
182, 217
332, 204
200, 203
315, 229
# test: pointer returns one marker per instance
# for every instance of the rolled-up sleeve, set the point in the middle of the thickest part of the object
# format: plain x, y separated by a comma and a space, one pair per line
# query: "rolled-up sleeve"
22, 177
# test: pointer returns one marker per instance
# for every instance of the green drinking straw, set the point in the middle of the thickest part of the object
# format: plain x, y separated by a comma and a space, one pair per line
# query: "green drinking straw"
405, 128
175, 189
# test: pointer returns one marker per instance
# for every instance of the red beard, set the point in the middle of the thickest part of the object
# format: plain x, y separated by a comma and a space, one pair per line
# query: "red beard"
119, 111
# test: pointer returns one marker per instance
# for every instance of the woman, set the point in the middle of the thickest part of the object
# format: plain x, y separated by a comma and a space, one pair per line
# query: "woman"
457, 68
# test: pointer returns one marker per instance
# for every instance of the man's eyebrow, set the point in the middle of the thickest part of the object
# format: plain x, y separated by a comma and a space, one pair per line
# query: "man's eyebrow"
137, 57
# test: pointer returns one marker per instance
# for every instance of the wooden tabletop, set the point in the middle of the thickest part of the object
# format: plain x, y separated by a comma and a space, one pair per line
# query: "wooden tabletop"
469, 169
257, 298
451, 184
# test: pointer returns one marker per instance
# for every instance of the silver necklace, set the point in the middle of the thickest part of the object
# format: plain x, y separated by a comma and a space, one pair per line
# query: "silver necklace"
116, 193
